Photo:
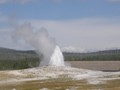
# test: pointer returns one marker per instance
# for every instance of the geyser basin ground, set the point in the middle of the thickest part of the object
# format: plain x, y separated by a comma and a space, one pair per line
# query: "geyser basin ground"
59, 78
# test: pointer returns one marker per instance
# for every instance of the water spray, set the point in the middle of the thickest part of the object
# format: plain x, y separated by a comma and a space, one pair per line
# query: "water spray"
42, 43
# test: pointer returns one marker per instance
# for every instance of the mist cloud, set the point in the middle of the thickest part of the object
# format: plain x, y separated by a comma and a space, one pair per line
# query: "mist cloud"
40, 40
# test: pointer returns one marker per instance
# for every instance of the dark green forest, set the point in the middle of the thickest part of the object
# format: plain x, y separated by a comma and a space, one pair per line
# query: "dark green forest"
15, 59
106, 55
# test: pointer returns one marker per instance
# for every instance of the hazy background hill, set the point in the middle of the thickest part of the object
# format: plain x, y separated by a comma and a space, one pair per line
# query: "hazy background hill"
10, 54
15, 59
106, 55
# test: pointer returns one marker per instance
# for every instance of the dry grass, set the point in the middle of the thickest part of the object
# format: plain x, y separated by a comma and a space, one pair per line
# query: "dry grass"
61, 84
4, 76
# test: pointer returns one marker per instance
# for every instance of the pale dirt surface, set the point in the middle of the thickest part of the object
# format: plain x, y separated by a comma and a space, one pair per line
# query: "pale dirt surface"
59, 78
53, 72
96, 65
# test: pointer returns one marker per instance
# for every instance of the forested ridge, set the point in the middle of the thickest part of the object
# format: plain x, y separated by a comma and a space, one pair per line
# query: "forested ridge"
106, 55
16, 59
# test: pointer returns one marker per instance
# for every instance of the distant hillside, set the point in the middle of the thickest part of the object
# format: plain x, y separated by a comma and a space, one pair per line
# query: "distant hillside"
14, 59
10, 54
105, 55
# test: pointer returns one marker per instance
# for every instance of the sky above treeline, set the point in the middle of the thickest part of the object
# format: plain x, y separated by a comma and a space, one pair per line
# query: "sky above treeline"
75, 24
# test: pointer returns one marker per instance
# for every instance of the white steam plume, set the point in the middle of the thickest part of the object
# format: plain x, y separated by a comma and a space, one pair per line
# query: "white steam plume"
39, 40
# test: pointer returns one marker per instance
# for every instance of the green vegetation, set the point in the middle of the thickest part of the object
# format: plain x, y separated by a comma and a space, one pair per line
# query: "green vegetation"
107, 55
14, 59
21, 64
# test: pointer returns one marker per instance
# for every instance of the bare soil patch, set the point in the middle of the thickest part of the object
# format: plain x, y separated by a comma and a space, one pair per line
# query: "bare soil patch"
97, 65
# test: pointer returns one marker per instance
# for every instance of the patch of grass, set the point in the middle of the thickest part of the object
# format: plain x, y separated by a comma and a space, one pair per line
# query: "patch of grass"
60, 84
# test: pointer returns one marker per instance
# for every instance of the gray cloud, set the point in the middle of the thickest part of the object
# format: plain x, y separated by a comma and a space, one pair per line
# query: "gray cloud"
24, 1
113, 0
55, 1
19, 1
86, 33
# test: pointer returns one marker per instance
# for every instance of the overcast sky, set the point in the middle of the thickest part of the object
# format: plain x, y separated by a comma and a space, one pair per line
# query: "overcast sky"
84, 24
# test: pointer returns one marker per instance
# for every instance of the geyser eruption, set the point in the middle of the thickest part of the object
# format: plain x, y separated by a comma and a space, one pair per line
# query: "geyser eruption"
57, 58
42, 43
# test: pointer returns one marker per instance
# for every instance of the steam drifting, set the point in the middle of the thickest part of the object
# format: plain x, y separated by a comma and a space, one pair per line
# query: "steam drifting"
42, 43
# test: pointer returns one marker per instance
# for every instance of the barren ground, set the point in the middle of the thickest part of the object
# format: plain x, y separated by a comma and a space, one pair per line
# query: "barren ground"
97, 65
63, 78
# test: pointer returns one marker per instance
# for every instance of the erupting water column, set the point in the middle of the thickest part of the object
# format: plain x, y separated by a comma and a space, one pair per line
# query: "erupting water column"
57, 58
